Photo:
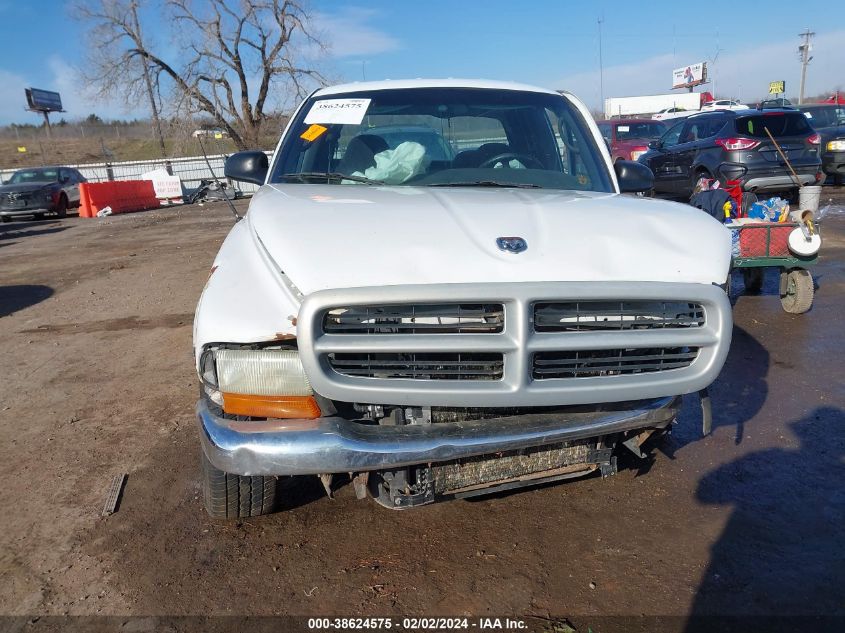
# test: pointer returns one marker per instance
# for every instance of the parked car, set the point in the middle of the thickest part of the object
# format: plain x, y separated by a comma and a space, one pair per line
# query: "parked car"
724, 104
779, 103
210, 133
829, 122
733, 145
437, 329
628, 138
672, 113
39, 191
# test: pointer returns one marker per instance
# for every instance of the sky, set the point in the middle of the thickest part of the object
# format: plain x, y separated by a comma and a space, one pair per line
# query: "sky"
550, 43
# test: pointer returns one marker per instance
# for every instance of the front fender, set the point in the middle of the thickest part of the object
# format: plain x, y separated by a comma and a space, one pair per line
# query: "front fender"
245, 300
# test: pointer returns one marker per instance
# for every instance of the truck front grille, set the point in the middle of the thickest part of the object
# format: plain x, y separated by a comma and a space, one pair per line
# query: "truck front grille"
589, 316
420, 366
531, 344
416, 318
610, 362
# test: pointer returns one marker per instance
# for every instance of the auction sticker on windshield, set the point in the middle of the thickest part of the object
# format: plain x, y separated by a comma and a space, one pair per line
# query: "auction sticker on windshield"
345, 111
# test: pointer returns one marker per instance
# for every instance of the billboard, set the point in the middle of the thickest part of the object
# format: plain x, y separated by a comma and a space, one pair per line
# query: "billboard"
777, 87
689, 76
43, 100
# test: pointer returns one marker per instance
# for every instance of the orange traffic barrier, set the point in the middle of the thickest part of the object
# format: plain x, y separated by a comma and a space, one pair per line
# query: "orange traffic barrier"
123, 196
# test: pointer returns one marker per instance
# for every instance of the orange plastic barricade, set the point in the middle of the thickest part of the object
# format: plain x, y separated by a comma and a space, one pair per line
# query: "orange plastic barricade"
123, 196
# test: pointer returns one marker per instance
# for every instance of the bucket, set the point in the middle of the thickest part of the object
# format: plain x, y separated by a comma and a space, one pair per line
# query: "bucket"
808, 197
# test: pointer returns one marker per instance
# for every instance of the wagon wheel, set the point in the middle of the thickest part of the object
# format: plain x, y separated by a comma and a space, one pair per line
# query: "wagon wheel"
798, 291
752, 279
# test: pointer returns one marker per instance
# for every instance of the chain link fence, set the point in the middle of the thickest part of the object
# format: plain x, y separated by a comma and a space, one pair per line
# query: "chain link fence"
192, 170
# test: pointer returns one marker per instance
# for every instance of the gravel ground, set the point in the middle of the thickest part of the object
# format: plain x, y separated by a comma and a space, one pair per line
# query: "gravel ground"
96, 379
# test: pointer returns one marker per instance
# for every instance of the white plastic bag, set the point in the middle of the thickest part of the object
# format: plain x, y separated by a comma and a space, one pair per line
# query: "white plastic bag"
104, 212
830, 209
395, 166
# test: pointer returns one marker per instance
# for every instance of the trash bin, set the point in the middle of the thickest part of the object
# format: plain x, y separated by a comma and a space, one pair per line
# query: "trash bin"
808, 198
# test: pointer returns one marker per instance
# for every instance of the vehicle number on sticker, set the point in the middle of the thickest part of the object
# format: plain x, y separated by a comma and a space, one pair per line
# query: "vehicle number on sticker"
348, 111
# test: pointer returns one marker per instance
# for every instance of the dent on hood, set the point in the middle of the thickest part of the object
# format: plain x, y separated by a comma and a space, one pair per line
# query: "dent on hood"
318, 240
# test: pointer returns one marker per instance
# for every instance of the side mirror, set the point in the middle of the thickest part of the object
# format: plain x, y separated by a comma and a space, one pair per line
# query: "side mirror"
655, 144
633, 177
250, 166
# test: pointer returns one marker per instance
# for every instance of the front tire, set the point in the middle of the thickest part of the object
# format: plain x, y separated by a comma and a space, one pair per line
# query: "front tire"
229, 496
61, 207
799, 291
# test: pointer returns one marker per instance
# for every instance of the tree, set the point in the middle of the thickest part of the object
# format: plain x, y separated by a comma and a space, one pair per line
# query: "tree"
233, 57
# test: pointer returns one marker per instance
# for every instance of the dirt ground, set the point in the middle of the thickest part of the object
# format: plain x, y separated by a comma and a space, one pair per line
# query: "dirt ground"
96, 379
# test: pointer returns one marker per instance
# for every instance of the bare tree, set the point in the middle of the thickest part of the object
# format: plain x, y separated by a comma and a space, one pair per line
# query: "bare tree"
232, 60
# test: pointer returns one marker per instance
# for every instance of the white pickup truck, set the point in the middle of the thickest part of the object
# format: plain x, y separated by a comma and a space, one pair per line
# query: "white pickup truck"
438, 291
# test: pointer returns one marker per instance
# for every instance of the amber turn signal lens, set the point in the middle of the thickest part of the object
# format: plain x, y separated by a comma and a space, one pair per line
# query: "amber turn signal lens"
300, 407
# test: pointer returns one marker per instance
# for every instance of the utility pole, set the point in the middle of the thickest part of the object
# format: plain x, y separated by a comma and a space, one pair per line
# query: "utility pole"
804, 52
148, 81
601, 67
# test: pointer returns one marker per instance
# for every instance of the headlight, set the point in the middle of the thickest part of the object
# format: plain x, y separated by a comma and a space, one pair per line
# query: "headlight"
836, 146
268, 372
268, 383
635, 155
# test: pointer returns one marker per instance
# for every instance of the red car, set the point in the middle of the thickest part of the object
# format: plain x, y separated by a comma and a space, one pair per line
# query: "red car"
628, 138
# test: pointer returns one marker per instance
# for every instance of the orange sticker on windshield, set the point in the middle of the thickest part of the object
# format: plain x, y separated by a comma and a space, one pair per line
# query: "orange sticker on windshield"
313, 133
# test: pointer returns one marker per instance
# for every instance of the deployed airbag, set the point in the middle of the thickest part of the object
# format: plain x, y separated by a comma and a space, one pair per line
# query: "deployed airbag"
395, 166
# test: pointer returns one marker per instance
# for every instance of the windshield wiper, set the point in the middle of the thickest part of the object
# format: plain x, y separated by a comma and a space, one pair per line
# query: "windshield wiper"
307, 175
486, 183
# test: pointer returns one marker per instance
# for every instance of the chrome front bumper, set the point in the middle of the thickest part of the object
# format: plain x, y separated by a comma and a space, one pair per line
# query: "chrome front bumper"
336, 445
25, 211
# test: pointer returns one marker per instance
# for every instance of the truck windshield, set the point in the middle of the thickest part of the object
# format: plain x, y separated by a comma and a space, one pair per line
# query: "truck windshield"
442, 137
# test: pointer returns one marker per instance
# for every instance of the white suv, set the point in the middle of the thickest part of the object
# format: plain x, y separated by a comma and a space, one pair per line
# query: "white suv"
724, 104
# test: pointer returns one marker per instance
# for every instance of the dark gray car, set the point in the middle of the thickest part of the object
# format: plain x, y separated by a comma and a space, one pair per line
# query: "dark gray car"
38, 191
829, 121
734, 145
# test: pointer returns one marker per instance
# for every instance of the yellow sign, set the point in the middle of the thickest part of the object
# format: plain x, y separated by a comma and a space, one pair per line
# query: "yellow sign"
21, 149
313, 133
218, 135
777, 87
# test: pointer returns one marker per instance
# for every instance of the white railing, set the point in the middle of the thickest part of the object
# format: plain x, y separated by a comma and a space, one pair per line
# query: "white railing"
190, 169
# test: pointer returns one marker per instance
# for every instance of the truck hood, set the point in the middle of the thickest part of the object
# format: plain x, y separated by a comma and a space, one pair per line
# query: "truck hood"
344, 236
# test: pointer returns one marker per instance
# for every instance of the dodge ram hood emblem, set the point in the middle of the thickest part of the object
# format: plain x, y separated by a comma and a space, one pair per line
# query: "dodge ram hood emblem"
511, 244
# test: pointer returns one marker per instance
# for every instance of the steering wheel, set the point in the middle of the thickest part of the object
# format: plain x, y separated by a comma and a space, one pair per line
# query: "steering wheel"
506, 157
